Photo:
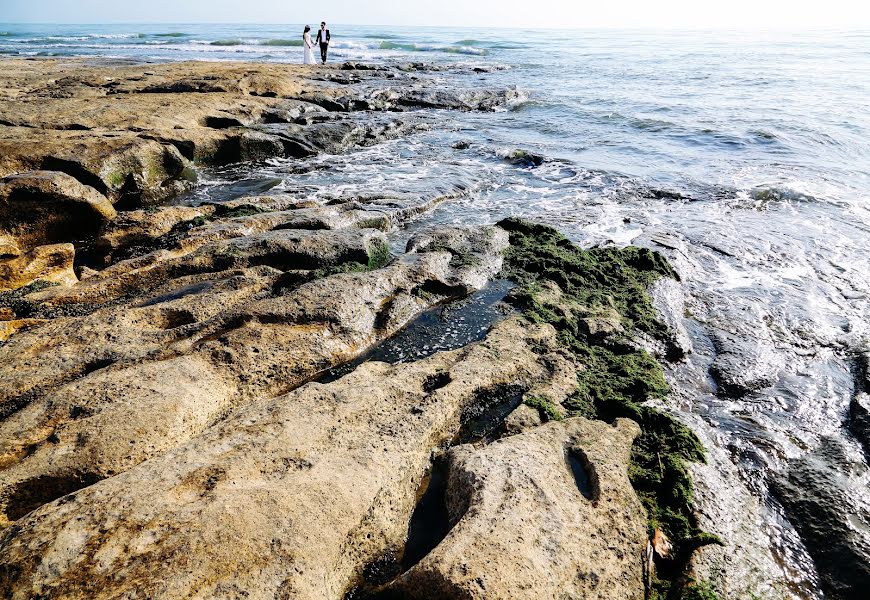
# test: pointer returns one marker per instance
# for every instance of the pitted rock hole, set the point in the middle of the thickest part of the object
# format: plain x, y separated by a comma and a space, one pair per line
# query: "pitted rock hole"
96, 365
173, 319
483, 420
29, 495
428, 526
436, 382
221, 122
584, 473
430, 521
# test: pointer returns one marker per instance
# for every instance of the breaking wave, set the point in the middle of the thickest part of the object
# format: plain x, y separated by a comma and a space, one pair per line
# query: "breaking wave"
454, 49
281, 42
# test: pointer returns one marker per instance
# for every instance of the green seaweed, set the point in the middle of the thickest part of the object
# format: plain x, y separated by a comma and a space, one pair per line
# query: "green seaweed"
698, 591
618, 378
222, 211
154, 172
116, 179
599, 277
188, 173
348, 267
379, 254
545, 406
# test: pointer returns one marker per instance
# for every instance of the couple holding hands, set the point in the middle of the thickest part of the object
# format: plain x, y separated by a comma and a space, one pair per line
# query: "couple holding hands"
322, 40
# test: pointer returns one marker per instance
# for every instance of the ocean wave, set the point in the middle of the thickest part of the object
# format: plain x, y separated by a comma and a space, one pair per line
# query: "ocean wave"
83, 39
763, 134
117, 36
381, 36
650, 124
472, 43
232, 42
281, 42
171, 34
97, 36
163, 47
352, 45
432, 48
396, 46
519, 101
228, 42
464, 50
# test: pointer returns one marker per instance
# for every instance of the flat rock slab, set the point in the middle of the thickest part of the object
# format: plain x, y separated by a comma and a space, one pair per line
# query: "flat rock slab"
127, 383
289, 497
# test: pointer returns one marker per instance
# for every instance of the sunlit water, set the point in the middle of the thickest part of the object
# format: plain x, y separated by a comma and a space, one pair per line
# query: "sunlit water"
750, 152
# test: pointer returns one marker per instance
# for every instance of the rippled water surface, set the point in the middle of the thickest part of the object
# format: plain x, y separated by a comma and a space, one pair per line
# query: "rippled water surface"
745, 157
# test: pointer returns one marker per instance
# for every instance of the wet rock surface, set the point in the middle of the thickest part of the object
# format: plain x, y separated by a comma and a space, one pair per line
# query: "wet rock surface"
745, 566
817, 493
744, 364
859, 409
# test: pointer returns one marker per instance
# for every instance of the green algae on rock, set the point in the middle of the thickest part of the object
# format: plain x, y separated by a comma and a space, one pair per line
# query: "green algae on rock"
545, 406
600, 302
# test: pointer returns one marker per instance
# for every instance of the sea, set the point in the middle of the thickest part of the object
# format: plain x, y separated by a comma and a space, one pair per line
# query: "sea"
745, 155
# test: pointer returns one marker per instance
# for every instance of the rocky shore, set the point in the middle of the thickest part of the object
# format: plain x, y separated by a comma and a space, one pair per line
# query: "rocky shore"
171, 426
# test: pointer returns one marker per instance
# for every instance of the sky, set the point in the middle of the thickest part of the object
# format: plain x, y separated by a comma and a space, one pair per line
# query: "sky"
559, 14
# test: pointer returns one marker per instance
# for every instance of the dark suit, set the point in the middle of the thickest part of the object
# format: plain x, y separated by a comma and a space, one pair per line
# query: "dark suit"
324, 43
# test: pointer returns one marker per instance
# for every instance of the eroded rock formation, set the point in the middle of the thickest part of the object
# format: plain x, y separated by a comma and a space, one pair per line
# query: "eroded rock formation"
566, 483
168, 427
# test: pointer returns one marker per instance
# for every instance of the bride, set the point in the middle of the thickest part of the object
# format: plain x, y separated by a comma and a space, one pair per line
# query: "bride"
308, 57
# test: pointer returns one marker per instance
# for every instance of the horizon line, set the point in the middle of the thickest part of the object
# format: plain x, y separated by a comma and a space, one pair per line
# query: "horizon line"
503, 27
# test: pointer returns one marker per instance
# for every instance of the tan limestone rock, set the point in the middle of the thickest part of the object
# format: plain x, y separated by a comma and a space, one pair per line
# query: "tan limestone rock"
159, 372
524, 528
43, 207
289, 497
52, 263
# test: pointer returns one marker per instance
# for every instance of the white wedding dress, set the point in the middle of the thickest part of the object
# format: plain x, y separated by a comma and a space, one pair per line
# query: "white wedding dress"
308, 57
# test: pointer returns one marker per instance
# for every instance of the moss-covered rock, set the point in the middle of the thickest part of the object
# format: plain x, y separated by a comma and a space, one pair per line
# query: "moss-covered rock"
566, 286
545, 406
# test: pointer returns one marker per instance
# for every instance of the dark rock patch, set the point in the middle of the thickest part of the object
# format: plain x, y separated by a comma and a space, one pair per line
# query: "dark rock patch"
814, 490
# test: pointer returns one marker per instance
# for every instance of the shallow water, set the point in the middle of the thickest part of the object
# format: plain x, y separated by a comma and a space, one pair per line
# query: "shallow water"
444, 327
744, 156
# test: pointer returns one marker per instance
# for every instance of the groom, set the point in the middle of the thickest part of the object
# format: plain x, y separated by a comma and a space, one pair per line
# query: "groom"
323, 39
